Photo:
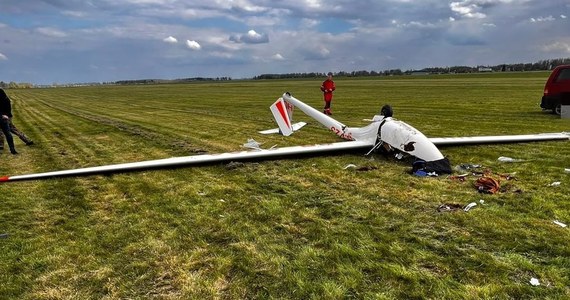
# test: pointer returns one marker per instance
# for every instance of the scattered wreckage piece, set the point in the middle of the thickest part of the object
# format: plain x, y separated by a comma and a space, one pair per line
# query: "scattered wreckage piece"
487, 185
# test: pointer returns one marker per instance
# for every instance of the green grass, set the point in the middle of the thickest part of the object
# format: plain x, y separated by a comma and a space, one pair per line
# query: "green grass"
301, 228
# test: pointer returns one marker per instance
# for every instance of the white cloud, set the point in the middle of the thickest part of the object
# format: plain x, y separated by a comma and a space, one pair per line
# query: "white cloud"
170, 40
416, 24
542, 19
319, 53
278, 56
563, 16
489, 25
309, 23
468, 9
75, 14
313, 3
253, 9
193, 45
3, 57
557, 46
51, 32
157, 2
252, 37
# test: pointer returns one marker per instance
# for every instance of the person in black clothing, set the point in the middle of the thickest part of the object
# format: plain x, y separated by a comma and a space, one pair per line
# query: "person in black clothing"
5, 115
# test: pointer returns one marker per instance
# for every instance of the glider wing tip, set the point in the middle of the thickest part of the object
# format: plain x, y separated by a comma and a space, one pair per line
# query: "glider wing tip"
4, 178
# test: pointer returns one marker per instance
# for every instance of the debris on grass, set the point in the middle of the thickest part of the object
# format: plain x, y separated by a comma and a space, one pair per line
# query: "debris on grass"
487, 185
567, 170
420, 173
423, 173
349, 166
469, 206
467, 167
559, 223
534, 282
4, 236
461, 177
363, 168
252, 144
255, 145
556, 183
487, 181
509, 159
449, 207
507, 176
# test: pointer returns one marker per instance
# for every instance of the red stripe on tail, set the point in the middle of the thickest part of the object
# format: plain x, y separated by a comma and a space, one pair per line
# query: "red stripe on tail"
283, 113
4, 178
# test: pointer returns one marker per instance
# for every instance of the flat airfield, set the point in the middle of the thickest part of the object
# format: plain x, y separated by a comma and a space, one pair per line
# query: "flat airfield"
296, 228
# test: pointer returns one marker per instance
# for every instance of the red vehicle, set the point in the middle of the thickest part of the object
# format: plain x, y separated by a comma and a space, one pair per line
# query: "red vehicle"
557, 89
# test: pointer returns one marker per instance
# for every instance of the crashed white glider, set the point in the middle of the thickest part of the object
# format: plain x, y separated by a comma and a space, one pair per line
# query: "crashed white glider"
383, 132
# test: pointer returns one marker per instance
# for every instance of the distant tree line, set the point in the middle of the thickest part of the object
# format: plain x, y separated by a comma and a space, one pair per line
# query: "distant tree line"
14, 85
542, 65
180, 80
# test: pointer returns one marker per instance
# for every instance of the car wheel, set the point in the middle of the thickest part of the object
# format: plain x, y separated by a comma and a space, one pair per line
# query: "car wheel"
558, 109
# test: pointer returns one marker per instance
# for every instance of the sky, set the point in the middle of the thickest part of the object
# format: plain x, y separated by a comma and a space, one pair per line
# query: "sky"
76, 41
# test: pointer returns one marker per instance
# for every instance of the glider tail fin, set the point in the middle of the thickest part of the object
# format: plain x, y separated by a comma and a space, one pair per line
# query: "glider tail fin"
283, 113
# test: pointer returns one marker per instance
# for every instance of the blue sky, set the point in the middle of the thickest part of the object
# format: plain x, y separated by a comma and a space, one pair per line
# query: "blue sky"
65, 41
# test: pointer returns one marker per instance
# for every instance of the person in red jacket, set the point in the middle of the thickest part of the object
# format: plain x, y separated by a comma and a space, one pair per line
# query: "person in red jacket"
328, 88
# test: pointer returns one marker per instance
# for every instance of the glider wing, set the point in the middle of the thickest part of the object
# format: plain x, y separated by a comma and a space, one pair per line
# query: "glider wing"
499, 139
196, 160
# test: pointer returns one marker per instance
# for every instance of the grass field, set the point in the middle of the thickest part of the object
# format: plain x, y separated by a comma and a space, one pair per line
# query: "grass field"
302, 228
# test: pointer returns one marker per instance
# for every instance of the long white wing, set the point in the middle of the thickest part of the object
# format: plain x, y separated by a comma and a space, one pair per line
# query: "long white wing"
196, 159
500, 139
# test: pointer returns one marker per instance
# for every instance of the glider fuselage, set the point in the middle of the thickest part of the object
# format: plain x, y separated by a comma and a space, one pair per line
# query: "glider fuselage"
398, 134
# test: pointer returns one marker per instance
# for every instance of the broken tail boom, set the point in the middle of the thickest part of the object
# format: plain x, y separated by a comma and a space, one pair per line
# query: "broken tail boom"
325, 120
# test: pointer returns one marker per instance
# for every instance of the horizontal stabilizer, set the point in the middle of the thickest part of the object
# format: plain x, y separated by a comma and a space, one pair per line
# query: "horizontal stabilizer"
295, 126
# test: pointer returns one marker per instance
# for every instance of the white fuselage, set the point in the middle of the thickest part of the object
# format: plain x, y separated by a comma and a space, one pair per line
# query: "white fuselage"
393, 132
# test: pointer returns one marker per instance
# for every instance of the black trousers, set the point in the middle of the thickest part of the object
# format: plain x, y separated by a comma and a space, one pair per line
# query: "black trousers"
5, 124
